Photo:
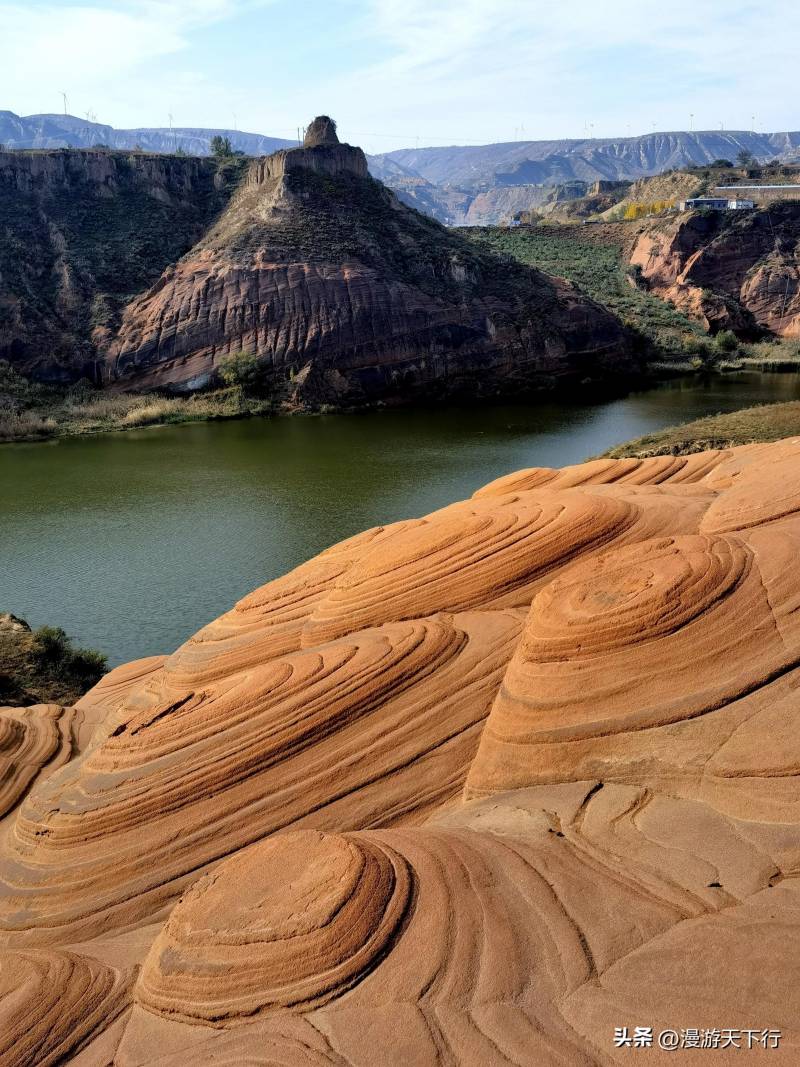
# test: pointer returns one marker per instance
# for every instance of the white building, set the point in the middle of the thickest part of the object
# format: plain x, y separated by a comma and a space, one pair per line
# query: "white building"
715, 203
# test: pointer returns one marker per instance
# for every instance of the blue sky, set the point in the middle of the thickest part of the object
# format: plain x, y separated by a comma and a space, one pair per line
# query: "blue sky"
395, 73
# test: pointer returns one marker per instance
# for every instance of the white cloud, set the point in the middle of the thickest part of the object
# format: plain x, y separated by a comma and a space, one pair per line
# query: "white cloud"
481, 69
91, 50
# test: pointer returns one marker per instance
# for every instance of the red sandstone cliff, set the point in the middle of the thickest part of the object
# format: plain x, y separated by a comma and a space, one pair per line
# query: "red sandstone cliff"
737, 272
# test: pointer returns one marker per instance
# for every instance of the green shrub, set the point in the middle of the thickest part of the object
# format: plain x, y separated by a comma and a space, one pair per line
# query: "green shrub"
221, 147
701, 350
81, 391
54, 654
50, 645
727, 341
13, 386
243, 369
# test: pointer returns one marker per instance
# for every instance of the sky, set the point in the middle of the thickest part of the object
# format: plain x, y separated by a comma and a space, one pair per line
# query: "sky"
407, 73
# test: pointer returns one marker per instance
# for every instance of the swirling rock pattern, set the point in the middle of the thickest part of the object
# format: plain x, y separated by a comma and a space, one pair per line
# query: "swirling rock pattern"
32, 740
292, 922
51, 1003
475, 788
374, 728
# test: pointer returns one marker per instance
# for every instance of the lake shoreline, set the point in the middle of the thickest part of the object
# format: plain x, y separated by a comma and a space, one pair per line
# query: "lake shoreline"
174, 525
116, 413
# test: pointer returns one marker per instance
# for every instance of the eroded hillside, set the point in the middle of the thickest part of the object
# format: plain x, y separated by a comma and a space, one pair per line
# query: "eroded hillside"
729, 270
82, 233
347, 297
146, 271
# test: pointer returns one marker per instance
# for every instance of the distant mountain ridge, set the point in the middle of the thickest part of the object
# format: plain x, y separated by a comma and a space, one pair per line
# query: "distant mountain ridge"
68, 131
547, 162
457, 184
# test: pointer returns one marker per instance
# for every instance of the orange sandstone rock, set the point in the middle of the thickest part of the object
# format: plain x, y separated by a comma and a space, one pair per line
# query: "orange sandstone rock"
475, 788
32, 740
52, 1003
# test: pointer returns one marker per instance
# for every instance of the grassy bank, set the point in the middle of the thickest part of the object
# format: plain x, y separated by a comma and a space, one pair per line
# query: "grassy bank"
767, 422
772, 355
43, 666
32, 412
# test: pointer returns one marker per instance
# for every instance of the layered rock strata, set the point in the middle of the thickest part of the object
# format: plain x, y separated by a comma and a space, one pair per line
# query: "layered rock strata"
84, 231
474, 788
32, 741
738, 271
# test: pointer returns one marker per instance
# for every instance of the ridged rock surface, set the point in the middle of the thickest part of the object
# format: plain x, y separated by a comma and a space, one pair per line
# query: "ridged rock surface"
738, 271
348, 297
474, 788
32, 740
51, 1003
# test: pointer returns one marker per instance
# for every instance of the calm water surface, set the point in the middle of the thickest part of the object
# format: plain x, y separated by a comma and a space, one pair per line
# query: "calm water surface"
133, 541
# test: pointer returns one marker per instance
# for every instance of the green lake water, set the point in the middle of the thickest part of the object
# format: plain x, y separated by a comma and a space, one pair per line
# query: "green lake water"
132, 541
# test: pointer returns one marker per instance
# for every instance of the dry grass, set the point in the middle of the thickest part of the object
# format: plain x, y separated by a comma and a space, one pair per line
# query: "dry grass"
767, 422
22, 425
102, 412
772, 355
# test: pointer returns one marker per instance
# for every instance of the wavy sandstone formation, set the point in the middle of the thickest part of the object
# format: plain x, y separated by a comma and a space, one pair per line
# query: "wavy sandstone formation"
347, 296
475, 788
32, 740
740, 273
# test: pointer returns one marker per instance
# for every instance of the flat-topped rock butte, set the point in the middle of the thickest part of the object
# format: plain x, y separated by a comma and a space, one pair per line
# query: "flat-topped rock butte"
473, 788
